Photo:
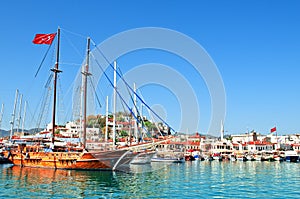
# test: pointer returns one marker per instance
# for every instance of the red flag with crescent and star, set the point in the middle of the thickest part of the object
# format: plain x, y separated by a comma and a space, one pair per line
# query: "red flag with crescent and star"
44, 38
273, 129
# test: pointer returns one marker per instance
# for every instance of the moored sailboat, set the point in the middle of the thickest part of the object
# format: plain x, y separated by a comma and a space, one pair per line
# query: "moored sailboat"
57, 157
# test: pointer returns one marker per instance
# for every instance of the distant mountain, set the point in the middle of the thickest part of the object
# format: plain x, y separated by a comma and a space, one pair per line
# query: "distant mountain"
34, 130
5, 133
208, 136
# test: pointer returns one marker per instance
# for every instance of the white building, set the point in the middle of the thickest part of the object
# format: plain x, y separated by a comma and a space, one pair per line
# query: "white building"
74, 129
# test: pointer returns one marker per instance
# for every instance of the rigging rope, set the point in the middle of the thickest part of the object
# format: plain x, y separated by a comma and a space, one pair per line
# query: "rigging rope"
43, 60
129, 86
72, 44
94, 89
111, 83
74, 33
152, 118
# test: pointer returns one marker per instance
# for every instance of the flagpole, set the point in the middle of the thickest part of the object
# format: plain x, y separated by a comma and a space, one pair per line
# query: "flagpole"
55, 71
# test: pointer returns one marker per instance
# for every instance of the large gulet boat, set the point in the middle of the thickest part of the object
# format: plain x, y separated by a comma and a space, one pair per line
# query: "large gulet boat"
55, 157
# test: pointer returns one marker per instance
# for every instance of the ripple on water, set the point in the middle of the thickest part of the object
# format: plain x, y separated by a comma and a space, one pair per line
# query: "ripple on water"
188, 180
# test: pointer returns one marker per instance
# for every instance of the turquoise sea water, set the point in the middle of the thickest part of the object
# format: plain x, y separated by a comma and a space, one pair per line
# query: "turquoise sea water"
187, 180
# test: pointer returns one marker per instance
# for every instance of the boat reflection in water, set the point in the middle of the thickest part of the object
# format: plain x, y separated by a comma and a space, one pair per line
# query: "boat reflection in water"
39, 182
57, 183
152, 167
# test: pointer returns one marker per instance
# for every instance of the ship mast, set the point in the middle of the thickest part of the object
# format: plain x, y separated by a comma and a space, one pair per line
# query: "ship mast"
19, 113
114, 104
106, 120
222, 130
85, 74
1, 116
55, 71
135, 113
23, 123
12, 122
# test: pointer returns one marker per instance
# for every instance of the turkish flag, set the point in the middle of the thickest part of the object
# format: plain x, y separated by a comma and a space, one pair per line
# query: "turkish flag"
44, 38
273, 129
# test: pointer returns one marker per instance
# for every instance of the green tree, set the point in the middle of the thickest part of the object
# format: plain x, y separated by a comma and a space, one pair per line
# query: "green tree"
150, 126
123, 133
102, 121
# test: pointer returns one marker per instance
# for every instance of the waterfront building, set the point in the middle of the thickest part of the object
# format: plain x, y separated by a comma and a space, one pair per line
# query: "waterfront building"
73, 130
224, 148
171, 146
255, 146
247, 137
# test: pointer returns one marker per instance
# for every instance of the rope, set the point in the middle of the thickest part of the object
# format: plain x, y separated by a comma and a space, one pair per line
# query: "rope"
72, 44
42, 60
131, 88
152, 117
94, 89
74, 33
111, 83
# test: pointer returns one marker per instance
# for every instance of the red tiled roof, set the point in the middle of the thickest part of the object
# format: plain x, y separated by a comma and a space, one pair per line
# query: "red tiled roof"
296, 144
259, 143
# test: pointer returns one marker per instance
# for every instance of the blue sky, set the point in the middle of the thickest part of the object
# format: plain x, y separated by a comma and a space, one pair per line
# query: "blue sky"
254, 44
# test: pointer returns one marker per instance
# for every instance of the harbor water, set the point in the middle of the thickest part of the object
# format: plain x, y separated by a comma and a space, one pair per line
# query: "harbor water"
196, 179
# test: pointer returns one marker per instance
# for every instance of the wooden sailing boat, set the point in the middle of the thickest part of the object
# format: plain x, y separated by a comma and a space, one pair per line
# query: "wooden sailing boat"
57, 158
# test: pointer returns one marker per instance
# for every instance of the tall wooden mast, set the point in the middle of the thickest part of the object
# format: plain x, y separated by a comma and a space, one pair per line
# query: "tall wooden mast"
85, 74
55, 70
114, 104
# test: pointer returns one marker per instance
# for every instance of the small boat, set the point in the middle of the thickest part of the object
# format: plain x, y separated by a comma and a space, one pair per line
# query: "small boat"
168, 159
232, 157
240, 157
269, 156
278, 158
250, 157
207, 158
259, 157
143, 157
189, 158
199, 157
291, 156
3, 159
217, 156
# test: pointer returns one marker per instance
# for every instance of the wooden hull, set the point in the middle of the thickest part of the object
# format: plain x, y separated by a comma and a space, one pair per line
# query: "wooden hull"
106, 160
